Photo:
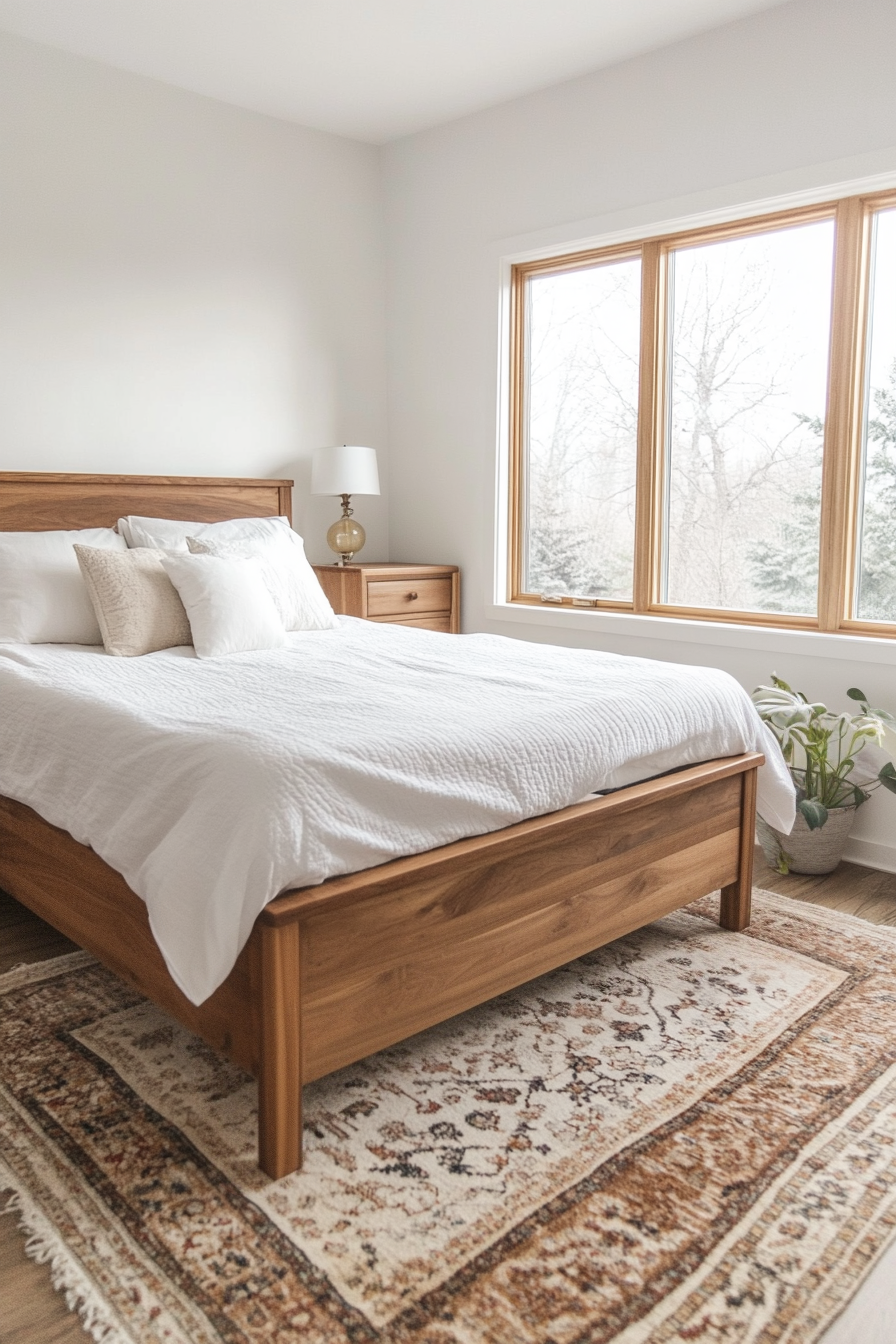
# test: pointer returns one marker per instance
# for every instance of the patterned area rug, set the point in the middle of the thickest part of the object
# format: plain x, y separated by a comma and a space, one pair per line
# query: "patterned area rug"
689, 1135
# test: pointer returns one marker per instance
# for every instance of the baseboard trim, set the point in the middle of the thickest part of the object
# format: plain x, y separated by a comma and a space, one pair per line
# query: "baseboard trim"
871, 854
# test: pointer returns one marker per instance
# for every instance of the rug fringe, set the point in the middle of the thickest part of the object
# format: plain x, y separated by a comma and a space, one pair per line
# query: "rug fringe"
45, 1246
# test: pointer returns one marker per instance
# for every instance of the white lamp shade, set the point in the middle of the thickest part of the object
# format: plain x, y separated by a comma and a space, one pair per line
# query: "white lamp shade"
345, 470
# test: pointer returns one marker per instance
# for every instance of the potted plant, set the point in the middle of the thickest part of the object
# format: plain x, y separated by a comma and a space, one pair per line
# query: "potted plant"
835, 763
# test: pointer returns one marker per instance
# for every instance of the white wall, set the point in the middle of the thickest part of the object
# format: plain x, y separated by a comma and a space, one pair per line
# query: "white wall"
185, 287
802, 96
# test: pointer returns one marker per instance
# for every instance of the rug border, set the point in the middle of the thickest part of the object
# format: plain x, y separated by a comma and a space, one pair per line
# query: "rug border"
32, 972
831, 916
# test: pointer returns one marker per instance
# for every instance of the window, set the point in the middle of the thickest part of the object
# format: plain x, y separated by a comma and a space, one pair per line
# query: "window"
582, 439
704, 424
876, 541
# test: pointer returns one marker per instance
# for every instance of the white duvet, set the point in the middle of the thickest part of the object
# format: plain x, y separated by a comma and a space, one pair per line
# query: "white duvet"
214, 785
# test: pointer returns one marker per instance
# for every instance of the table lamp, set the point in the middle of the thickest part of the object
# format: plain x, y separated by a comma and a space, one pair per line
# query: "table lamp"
345, 470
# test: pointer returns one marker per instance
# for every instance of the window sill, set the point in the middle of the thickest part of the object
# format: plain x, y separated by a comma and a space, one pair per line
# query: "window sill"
624, 625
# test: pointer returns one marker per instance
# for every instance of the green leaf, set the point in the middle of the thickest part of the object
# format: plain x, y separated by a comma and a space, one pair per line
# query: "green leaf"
855, 694
860, 796
781, 685
887, 776
815, 813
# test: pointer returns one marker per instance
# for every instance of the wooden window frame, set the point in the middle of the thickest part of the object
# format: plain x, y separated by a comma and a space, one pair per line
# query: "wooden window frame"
842, 448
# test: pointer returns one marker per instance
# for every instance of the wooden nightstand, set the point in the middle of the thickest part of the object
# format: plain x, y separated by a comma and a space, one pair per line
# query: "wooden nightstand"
427, 596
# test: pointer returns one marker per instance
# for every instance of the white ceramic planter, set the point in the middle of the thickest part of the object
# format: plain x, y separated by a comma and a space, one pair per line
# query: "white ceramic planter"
808, 851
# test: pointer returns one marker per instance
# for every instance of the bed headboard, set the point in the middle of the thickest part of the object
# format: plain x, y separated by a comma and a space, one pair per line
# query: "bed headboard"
46, 501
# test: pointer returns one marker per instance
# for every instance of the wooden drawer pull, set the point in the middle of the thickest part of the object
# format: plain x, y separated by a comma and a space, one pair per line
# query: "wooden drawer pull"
412, 597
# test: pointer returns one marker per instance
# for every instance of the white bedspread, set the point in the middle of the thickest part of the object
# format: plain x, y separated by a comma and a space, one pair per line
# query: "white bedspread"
214, 785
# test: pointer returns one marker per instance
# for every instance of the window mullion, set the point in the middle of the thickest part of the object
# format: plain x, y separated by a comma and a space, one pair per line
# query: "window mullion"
648, 496
518, 359
839, 487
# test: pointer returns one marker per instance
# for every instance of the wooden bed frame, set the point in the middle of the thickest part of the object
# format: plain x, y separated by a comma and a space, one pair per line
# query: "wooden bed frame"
334, 972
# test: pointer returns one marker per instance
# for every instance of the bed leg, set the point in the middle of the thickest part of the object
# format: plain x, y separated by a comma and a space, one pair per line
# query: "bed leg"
737, 898
280, 1053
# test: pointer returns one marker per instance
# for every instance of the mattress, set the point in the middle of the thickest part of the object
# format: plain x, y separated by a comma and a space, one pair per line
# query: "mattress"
213, 785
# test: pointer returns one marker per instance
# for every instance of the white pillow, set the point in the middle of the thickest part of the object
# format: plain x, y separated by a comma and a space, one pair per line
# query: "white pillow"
290, 580
229, 608
170, 534
43, 597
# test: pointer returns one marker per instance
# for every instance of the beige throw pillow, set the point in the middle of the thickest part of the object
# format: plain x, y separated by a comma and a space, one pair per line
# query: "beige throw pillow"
137, 606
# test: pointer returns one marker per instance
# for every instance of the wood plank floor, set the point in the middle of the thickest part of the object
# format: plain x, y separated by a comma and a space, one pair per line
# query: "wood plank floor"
31, 1312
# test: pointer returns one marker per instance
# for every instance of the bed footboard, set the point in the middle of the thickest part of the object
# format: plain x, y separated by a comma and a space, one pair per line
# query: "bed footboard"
393, 950
737, 896
335, 972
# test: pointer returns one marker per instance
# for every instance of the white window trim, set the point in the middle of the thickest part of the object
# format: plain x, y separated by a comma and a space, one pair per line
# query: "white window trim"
718, 634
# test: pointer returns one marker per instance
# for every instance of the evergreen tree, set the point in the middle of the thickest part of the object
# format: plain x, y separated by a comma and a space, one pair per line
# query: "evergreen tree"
559, 559
877, 561
785, 571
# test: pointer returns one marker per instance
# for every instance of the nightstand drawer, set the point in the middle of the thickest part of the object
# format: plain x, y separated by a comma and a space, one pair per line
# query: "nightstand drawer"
439, 620
408, 597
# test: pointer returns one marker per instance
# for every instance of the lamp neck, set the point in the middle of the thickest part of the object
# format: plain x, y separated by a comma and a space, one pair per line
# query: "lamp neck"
346, 511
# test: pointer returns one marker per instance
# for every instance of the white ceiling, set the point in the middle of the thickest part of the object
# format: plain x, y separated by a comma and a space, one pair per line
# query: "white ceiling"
370, 69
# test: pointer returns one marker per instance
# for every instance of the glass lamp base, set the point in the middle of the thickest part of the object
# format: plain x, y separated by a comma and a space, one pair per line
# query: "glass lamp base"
346, 538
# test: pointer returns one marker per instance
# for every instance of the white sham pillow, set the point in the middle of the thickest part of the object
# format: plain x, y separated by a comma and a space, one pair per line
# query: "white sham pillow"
228, 605
170, 534
43, 596
290, 580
